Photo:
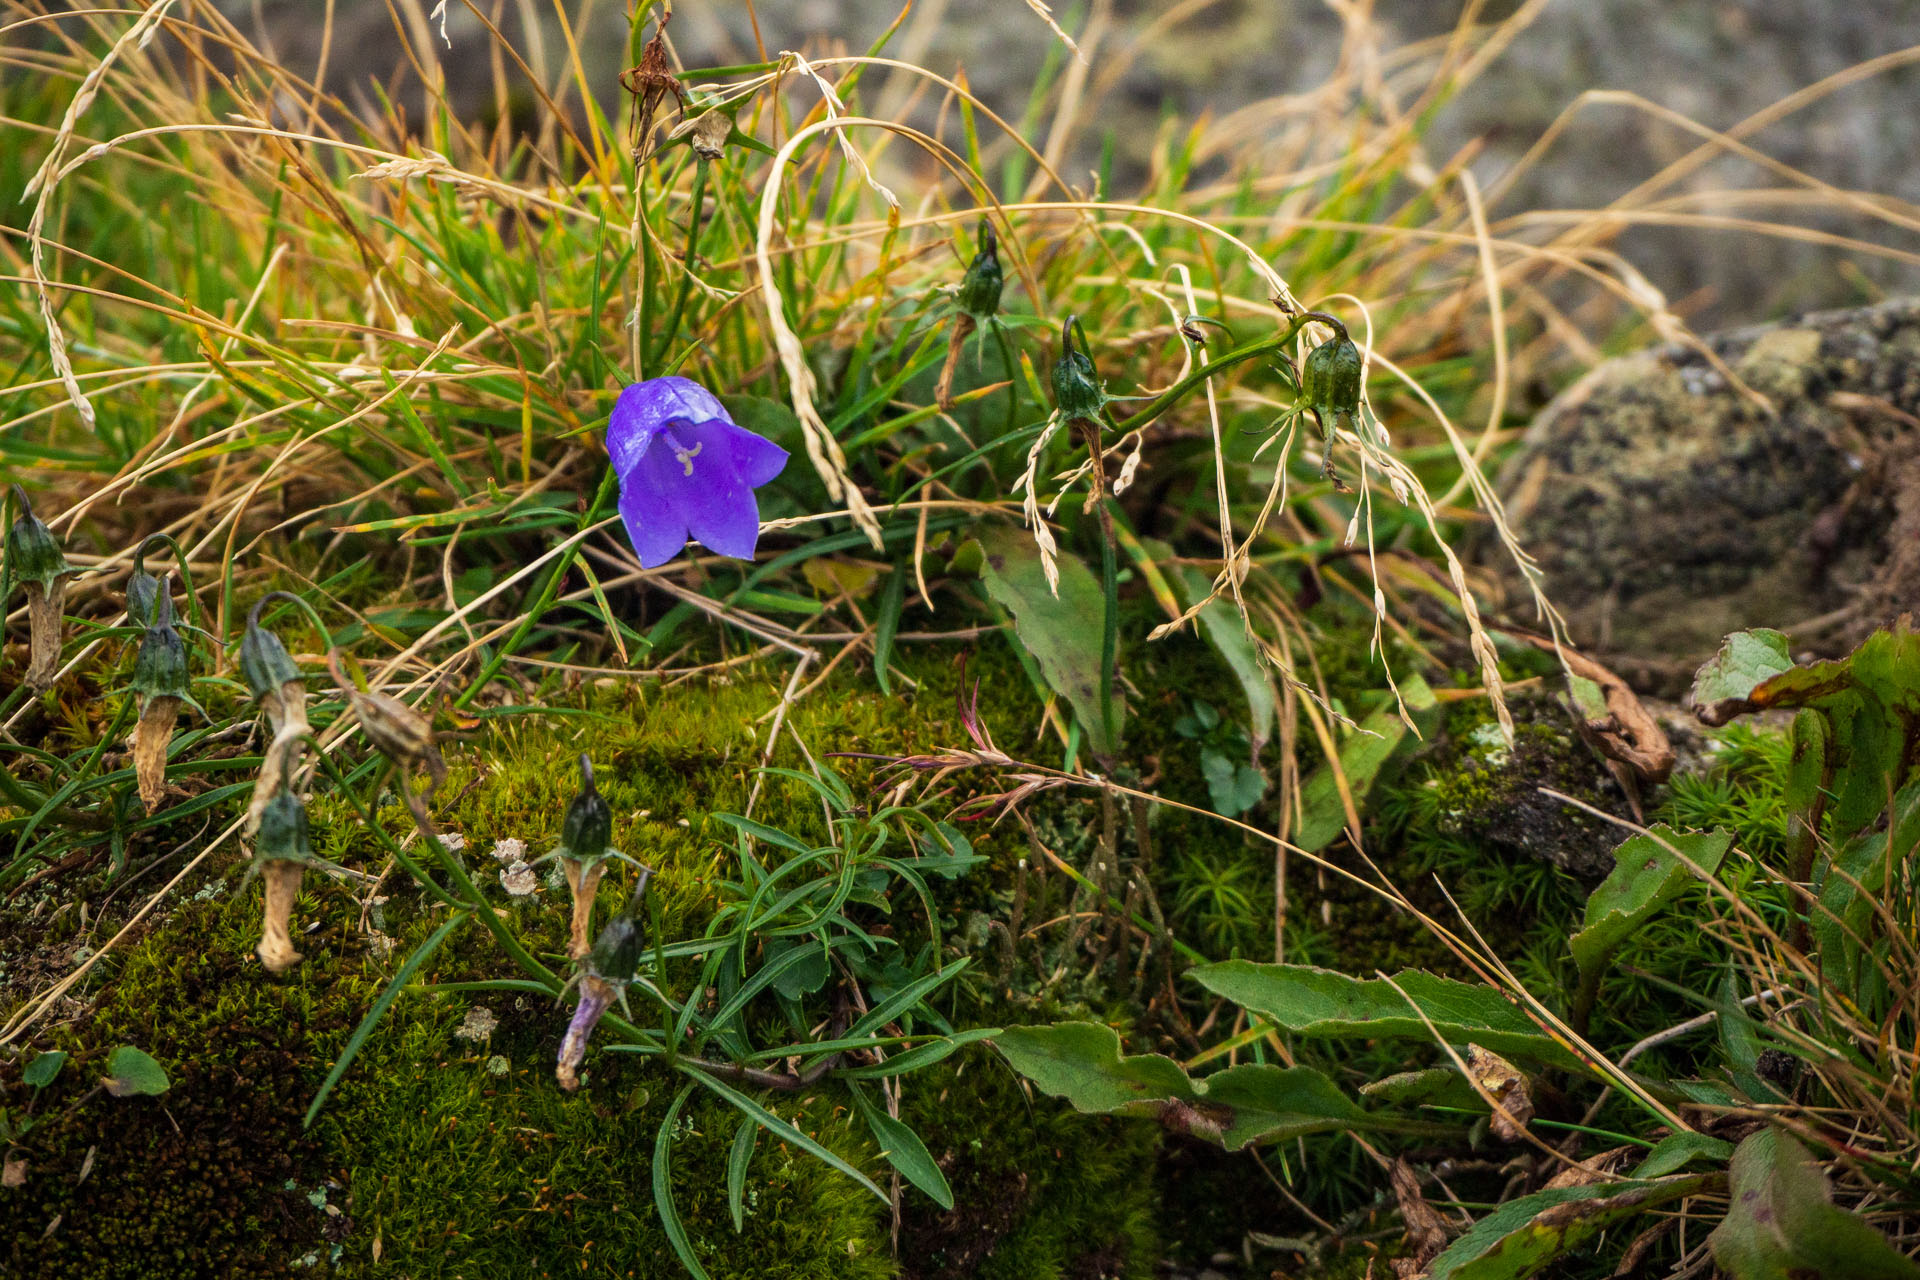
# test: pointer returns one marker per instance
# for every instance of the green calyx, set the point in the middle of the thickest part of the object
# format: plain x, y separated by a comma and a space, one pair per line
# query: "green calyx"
143, 597
1330, 379
264, 659
284, 834
616, 952
587, 830
160, 668
1077, 393
981, 287
32, 554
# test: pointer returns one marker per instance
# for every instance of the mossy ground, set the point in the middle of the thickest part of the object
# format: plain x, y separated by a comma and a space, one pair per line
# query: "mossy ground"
439, 1156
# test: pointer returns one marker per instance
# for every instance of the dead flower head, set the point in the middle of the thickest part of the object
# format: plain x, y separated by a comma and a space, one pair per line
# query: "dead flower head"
396, 730
36, 562
650, 83
160, 682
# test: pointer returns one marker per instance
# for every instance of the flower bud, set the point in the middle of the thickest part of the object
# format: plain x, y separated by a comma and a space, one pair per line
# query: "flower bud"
1077, 393
616, 952
981, 287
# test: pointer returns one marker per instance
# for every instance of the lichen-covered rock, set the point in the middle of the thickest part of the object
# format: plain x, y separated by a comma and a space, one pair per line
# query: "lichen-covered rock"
1670, 507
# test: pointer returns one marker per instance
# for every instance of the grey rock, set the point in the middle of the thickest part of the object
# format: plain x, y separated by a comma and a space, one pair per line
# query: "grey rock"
1668, 507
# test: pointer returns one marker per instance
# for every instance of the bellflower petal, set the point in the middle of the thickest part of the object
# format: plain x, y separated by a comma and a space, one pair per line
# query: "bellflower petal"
687, 469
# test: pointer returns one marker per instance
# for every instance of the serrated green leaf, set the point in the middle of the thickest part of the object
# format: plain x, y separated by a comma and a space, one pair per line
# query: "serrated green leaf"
1782, 1222
1325, 1004
132, 1072
1061, 632
1746, 660
1646, 876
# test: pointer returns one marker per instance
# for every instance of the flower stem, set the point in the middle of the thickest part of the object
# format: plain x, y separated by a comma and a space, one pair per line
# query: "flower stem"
1109, 585
1178, 391
672, 326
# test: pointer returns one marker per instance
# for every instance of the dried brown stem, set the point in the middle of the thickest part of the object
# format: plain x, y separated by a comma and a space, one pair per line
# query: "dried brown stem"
282, 881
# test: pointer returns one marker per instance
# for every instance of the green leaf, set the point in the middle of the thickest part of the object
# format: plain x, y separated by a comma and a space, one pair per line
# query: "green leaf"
1233, 785
1747, 660
1323, 816
1783, 1223
131, 1073
1061, 632
924, 1055
1431, 1086
1324, 1004
781, 1129
663, 1190
745, 1138
1222, 627
1678, 1150
887, 625
1645, 877
381, 1004
44, 1068
901, 1147
1525, 1235
1082, 1062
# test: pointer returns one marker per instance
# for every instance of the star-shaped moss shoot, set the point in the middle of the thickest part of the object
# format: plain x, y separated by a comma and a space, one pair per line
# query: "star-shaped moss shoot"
605, 973
586, 840
36, 562
687, 470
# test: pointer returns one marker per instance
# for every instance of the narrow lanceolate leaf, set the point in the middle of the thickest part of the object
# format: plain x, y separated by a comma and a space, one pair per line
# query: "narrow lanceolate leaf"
1646, 876
663, 1190
1525, 1235
1082, 1062
901, 1147
1325, 1004
739, 1158
1061, 632
1782, 1222
132, 1072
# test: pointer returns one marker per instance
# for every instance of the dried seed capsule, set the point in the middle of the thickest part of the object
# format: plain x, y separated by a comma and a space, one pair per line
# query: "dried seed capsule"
396, 730
143, 597
283, 846
160, 681
271, 674
585, 836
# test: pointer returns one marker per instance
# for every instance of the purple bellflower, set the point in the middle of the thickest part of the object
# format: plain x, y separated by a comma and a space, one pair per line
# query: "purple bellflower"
687, 470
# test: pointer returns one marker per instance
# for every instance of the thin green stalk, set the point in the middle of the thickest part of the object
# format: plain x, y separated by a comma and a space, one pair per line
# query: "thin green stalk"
686, 261
548, 591
1178, 391
392, 846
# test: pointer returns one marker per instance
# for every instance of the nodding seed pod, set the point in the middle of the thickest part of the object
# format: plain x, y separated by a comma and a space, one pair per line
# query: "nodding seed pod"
1330, 384
586, 837
264, 659
981, 287
608, 968
35, 561
160, 681
396, 730
1077, 392
283, 845
143, 597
